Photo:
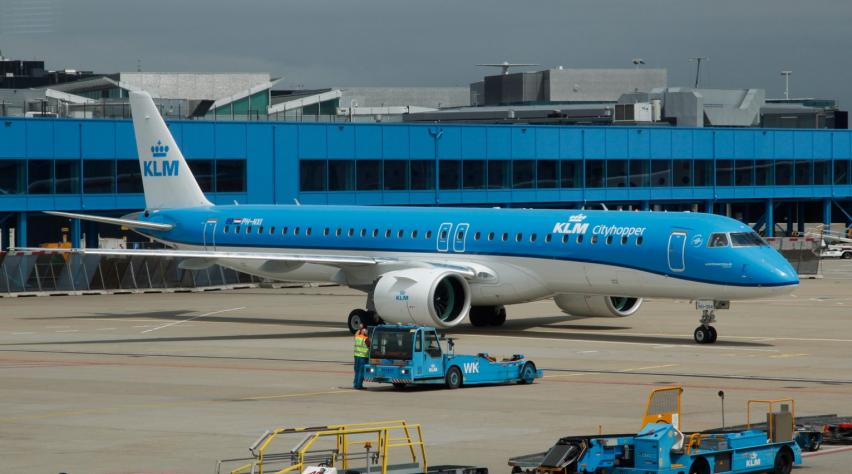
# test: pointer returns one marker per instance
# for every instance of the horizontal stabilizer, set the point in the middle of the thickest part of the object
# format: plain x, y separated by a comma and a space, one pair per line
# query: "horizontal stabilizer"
132, 223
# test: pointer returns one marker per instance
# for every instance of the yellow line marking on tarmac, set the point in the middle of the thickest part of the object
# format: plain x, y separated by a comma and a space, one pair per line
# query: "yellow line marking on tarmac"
785, 356
193, 318
649, 367
108, 410
295, 395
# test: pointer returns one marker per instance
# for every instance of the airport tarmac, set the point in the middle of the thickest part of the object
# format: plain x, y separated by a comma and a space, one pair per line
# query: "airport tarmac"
170, 383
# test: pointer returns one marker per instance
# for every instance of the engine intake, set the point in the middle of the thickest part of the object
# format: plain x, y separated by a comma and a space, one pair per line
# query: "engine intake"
423, 296
598, 306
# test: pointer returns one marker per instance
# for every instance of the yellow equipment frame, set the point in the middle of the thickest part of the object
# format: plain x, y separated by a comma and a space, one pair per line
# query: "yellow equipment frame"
388, 434
654, 415
770, 404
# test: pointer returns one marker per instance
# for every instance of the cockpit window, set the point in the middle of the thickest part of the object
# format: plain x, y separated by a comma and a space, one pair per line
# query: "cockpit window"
746, 239
718, 240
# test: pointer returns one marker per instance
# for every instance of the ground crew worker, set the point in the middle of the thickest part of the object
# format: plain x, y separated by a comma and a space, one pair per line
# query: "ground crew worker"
362, 345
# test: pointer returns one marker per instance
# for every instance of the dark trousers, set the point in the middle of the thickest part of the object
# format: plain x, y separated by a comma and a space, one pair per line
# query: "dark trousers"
360, 362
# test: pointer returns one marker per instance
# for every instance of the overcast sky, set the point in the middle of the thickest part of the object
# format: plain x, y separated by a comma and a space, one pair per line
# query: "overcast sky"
437, 42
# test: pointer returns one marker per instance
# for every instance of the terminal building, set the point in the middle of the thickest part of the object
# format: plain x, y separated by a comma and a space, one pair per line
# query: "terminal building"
558, 138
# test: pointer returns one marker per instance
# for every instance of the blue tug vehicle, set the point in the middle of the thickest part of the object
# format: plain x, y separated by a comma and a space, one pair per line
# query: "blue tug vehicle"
412, 355
660, 447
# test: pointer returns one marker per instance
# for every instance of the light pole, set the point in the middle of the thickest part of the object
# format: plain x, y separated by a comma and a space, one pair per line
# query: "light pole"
697, 60
786, 75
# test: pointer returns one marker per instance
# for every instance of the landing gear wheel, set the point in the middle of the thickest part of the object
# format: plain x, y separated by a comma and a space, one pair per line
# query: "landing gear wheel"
499, 317
478, 316
356, 318
713, 334
701, 335
453, 378
527, 374
783, 462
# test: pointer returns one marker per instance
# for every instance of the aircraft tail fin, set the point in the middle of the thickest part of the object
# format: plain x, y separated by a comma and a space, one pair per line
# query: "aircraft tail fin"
166, 178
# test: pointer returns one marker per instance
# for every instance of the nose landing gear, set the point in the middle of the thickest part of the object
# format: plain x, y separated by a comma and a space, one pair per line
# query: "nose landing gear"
706, 334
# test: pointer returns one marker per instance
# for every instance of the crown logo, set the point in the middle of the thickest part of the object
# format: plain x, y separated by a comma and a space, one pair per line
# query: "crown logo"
577, 218
159, 150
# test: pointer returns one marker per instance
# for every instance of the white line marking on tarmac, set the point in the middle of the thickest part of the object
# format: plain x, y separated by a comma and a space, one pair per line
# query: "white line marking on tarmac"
56, 327
193, 318
69, 330
22, 333
105, 329
649, 367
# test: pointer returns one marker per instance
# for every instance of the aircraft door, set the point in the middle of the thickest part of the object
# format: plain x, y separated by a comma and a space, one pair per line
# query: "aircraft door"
677, 246
460, 237
432, 355
444, 236
209, 234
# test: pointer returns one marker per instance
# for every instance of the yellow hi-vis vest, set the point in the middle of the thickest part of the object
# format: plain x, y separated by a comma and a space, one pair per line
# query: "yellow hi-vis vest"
361, 349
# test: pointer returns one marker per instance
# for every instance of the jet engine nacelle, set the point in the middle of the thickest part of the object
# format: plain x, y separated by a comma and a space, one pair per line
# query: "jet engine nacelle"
422, 296
598, 306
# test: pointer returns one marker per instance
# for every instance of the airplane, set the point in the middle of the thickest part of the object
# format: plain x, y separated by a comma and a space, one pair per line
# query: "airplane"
439, 266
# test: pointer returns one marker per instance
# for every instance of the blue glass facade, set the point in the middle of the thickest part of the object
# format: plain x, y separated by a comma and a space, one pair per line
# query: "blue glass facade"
90, 165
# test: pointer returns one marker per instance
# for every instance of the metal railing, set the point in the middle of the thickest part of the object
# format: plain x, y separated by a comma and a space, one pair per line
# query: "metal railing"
33, 272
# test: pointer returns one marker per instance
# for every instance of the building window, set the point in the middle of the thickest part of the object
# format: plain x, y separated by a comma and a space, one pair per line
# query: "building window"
682, 172
763, 173
230, 176
67, 176
702, 172
661, 173
822, 173
724, 172
201, 169
570, 177
640, 174
803, 172
422, 174
594, 173
499, 174
40, 177
473, 174
547, 175
744, 173
12, 176
341, 175
783, 172
616, 173
523, 174
368, 175
98, 176
449, 174
841, 172
396, 175
312, 175
129, 177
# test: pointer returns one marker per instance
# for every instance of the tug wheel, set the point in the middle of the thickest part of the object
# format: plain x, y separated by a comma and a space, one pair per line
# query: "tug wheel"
453, 378
700, 466
783, 462
527, 373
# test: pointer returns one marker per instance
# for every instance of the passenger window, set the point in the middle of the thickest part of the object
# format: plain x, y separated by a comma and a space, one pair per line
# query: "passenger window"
272, 230
413, 234
308, 231
639, 240
225, 229
325, 232
400, 233
623, 239
476, 236
260, 230
443, 234
375, 233
363, 232
505, 236
428, 234
296, 231
387, 233
718, 240
248, 230
459, 235
237, 229
518, 237
580, 239
594, 239
491, 236
547, 238
565, 238
608, 239
284, 231
351, 232
338, 232
533, 237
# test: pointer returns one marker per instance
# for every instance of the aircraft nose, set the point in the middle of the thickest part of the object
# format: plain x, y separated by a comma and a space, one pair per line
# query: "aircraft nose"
771, 270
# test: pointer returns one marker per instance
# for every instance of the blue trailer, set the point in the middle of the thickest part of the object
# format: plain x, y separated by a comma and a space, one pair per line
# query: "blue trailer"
412, 355
661, 448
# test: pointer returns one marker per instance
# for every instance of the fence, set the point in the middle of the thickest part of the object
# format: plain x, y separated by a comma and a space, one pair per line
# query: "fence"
38, 273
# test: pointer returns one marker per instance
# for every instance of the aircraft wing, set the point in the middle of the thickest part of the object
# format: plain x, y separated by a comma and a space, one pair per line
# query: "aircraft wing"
469, 271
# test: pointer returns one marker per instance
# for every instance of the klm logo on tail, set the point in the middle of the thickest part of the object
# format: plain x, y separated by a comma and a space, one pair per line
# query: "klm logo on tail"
160, 167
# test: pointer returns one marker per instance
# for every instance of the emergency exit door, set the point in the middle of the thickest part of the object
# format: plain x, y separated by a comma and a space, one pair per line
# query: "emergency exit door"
209, 234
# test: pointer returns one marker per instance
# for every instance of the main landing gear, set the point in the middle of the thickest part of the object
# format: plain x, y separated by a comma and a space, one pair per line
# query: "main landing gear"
361, 316
706, 334
481, 316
